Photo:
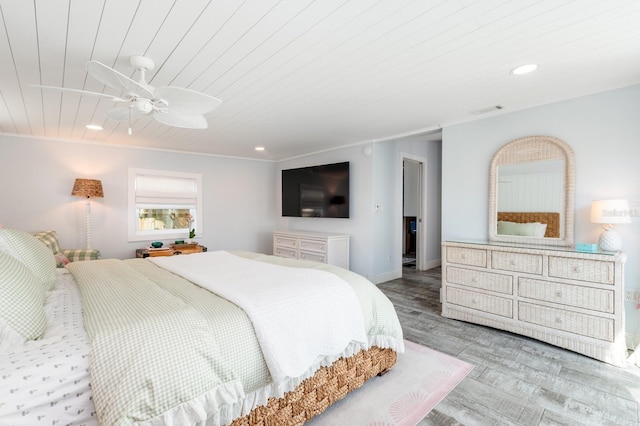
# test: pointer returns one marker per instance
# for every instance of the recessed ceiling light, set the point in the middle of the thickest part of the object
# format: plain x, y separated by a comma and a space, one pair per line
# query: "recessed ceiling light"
93, 127
524, 69
259, 148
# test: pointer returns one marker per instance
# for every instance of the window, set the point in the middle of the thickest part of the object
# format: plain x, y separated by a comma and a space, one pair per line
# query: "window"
164, 205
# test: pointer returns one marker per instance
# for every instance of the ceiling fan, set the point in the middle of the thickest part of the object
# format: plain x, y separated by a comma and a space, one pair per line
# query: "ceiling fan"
173, 106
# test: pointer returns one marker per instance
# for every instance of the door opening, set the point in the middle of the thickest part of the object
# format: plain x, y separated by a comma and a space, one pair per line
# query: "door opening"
413, 212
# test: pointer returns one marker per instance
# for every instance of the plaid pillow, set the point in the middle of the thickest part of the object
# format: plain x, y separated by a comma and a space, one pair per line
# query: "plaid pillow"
50, 239
76, 255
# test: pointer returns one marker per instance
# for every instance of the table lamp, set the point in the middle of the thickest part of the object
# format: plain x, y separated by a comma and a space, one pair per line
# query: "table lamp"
610, 213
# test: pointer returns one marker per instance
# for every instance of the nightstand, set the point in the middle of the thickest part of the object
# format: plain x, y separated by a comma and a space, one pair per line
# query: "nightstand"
172, 250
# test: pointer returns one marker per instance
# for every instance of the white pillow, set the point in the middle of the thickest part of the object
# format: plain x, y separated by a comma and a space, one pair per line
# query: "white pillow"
531, 229
32, 252
541, 229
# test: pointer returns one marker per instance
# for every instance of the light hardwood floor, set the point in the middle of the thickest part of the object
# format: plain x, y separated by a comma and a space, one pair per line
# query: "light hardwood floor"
516, 380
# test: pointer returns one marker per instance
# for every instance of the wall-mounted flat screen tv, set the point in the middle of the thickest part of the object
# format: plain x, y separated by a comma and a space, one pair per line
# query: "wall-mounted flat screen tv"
316, 191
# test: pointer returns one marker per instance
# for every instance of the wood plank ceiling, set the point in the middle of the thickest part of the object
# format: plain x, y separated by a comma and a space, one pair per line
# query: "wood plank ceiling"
300, 76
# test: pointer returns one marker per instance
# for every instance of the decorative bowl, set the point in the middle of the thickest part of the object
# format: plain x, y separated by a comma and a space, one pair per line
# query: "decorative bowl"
156, 244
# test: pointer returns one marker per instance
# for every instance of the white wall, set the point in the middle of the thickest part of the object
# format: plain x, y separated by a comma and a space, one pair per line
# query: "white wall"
359, 224
411, 185
604, 132
38, 174
241, 203
376, 238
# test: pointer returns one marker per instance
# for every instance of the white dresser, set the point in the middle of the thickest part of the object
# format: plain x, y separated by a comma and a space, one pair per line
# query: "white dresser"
319, 247
557, 295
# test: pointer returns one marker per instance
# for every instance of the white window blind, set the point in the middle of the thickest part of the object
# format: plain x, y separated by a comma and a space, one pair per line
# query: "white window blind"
154, 189
164, 204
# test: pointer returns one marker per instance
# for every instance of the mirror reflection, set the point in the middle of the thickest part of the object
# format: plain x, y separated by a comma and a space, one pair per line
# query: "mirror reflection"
530, 199
532, 192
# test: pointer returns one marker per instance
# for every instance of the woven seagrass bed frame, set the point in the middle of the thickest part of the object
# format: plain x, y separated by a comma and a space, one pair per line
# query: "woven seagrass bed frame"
315, 394
551, 219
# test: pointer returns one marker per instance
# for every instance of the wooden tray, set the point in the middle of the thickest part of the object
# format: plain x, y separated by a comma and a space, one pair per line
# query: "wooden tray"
184, 246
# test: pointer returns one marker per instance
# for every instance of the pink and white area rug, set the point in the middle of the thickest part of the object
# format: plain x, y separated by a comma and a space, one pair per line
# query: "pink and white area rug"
421, 378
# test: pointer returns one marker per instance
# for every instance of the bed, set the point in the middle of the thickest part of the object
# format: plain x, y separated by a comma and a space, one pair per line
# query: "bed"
549, 220
136, 342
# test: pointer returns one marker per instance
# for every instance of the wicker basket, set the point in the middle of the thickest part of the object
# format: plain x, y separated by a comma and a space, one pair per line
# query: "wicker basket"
318, 392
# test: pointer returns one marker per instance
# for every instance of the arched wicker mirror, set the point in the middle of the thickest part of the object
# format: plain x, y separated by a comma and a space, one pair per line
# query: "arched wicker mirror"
531, 197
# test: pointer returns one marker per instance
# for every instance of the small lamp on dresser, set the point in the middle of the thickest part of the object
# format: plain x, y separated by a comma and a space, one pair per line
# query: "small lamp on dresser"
610, 213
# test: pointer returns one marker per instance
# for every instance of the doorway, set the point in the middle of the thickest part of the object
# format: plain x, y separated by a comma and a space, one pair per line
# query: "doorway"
413, 211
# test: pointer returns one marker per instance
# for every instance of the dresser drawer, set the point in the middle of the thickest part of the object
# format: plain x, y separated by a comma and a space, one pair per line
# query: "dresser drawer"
283, 241
467, 256
285, 252
582, 269
312, 245
480, 279
517, 262
573, 322
572, 295
316, 257
482, 302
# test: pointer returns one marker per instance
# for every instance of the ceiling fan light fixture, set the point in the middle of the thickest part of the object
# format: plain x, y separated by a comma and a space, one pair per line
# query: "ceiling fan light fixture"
142, 105
172, 106
524, 69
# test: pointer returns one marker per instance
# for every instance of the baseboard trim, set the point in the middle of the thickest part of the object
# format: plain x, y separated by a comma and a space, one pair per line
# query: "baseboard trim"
433, 264
387, 276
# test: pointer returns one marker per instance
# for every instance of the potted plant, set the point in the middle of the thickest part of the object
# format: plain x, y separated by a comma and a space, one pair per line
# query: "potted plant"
192, 231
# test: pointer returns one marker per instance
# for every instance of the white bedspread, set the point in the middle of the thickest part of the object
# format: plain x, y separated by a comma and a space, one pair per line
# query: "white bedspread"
299, 315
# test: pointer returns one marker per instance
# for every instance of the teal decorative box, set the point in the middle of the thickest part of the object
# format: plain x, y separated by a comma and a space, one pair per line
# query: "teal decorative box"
589, 248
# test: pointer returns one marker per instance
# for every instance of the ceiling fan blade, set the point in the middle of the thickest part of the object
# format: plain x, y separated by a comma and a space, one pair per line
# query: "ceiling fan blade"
119, 113
79, 91
186, 101
116, 80
178, 119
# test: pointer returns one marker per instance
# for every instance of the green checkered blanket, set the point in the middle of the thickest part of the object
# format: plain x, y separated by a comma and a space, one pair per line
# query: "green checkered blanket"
135, 374
133, 308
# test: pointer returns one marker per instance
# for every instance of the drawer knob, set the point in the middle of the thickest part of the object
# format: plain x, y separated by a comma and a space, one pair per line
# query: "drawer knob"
576, 269
558, 320
474, 279
513, 263
463, 256
558, 294
473, 301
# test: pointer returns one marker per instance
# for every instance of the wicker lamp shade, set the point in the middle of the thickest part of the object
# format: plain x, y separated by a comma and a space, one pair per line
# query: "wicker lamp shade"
90, 188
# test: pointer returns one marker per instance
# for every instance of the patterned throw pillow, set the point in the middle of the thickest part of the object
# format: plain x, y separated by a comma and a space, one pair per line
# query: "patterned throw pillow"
50, 239
33, 253
21, 299
61, 259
